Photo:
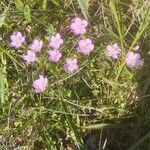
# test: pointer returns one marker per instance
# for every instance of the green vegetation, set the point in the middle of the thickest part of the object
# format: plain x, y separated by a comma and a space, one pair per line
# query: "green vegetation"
103, 106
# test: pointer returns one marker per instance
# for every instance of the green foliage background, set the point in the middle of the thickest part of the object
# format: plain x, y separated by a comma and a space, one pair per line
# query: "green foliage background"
104, 98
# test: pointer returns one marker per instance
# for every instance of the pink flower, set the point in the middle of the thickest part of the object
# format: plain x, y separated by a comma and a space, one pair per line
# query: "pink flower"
133, 60
54, 55
17, 40
113, 51
30, 57
40, 84
78, 26
36, 46
71, 65
85, 46
55, 41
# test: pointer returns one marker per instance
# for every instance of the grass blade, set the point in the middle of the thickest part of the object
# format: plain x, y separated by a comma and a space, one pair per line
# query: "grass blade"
19, 4
144, 25
3, 79
3, 15
72, 126
27, 13
114, 7
139, 142
84, 5
101, 126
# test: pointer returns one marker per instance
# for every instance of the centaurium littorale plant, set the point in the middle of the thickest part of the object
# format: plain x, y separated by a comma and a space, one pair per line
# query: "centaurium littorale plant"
40, 84
30, 57
55, 41
85, 46
54, 55
17, 40
71, 65
78, 26
133, 60
112, 51
36, 45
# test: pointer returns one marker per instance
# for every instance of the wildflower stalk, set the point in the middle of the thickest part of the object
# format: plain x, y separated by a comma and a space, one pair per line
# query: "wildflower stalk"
143, 27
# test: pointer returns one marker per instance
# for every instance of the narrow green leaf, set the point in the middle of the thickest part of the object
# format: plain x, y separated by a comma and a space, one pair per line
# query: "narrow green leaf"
2, 19
146, 86
101, 126
139, 142
115, 9
56, 2
19, 4
84, 6
111, 82
44, 4
27, 13
3, 78
3, 16
144, 25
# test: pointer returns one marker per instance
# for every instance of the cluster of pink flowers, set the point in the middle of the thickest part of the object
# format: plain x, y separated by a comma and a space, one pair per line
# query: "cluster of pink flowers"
55, 43
35, 47
132, 60
85, 46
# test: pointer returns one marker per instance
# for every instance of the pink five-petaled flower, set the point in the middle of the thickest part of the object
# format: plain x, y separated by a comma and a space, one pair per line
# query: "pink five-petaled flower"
113, 51
17, 40
71, 65
56, 41
78, 26
36, 46
133, 60
54, 55
30, 57
85, 46
40, 84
